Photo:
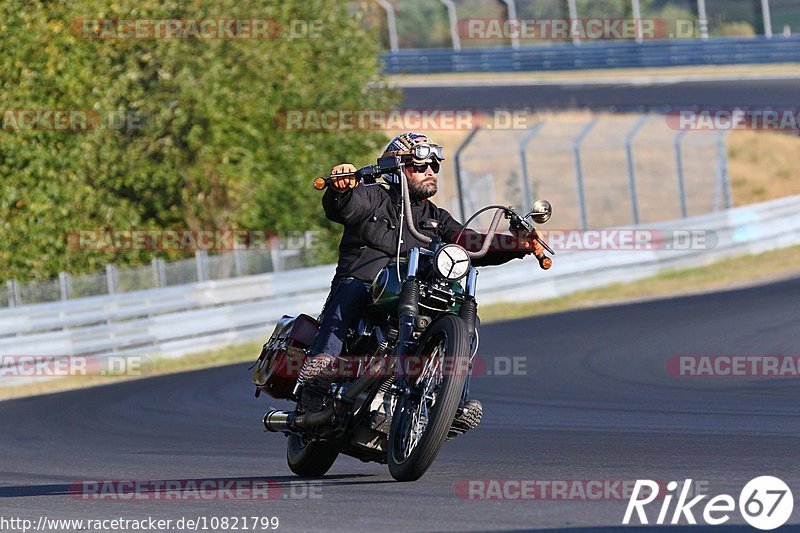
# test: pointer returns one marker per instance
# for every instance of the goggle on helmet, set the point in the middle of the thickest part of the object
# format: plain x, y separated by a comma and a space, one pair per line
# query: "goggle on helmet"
414, 147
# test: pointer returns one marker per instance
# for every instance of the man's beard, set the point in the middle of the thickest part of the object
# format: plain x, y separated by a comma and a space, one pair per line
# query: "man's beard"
421, 191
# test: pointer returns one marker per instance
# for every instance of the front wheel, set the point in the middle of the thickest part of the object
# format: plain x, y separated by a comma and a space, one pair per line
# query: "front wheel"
309, 459
421, 420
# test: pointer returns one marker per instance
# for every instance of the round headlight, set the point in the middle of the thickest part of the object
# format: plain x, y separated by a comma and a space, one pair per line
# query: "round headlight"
452, 262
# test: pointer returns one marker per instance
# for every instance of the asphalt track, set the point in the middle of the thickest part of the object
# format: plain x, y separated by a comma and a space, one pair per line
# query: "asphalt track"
655, 96
595, 403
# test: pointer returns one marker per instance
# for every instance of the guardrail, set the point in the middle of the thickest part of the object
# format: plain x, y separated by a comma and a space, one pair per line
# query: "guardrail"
666, 53
174, 321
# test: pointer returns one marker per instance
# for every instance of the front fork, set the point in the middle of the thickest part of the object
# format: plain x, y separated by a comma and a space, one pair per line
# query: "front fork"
408, 310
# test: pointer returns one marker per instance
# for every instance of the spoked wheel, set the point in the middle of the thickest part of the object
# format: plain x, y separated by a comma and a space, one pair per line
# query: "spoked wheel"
309, 459
421, 420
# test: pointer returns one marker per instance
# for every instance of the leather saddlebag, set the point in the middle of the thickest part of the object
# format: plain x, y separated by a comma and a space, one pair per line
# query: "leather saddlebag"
283, 355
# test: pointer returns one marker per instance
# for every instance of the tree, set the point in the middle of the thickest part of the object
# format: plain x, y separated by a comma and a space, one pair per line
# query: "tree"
201, 148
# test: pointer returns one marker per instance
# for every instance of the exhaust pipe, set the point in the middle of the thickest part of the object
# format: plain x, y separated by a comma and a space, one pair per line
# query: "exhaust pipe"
279, 421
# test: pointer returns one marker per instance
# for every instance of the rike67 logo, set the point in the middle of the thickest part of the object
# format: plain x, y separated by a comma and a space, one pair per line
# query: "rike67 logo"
765, 503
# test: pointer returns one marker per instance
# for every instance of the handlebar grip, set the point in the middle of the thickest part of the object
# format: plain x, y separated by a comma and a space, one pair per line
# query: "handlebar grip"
322, 183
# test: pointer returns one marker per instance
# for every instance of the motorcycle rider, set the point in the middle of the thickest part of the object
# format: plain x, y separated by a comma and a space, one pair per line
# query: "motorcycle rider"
370, 214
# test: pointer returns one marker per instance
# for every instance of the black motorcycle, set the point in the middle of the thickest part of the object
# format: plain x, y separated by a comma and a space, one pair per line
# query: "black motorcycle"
404, 373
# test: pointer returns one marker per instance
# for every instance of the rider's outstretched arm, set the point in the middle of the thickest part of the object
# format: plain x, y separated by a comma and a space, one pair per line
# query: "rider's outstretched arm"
504, 247
349, 207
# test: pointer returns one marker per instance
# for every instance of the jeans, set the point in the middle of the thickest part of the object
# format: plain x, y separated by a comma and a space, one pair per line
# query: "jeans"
343, 310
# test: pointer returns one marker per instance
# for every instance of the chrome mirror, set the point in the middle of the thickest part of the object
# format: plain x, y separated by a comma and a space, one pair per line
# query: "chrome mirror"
541, 211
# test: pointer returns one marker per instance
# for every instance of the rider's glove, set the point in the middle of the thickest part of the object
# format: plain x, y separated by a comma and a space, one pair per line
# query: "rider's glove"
343, 183
529, 245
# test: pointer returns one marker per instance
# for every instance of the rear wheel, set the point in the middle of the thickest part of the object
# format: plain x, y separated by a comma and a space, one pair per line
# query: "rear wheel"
309, 459
422, 420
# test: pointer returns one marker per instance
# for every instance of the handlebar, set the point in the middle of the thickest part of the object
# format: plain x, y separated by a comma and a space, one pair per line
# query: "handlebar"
386, 164
518, 222
545, 263
321, 183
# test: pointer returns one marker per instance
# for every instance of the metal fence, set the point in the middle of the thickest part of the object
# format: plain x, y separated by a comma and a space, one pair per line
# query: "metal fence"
720, 51
597, 170
203, 316
159, 273
425, 24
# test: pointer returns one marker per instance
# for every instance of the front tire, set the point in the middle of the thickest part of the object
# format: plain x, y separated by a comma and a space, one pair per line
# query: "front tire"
419, 427
309, 459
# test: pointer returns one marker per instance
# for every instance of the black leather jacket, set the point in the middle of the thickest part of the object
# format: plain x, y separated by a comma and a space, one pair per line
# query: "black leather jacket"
371, 218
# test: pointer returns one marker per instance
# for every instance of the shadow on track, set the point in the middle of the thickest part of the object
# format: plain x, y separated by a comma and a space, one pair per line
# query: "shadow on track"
177, 489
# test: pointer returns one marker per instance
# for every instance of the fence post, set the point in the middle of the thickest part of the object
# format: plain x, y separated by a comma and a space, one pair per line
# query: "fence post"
573, 15
159, 272
239, 264
275, 255
511, 11
576, 149
459, 184
722, 168
13, 293
201, 263
523, 157
111, 278
631, 167
679, 166
453, 16
702, 18
637, 20
65, 285
765, 12
391, 23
